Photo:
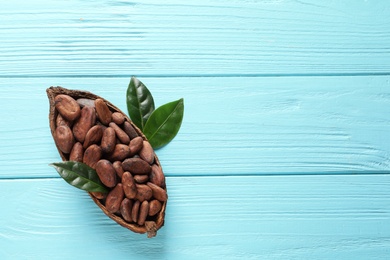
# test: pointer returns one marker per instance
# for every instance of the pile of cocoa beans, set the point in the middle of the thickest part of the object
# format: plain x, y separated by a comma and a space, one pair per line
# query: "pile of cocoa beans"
88, 131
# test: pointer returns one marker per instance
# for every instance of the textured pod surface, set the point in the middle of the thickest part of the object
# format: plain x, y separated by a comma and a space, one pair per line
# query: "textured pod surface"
124, 155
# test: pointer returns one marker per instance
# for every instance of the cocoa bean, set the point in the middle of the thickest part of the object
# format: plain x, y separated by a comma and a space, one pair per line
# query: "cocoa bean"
136, 166
114, 199
117, 118
84, 123
154, 207
62, 121
135, 145
103, 112
126, 207
141, 178
143, 212
129, 187
86, 102
135, 210
64, 138
122, 136
158, 192
77, 152
92, 155
108, 140
129, 129
118, 168
144, 192
67, 107
121, 151
99, 195
147, 152
93, 136
157, 176
106, 173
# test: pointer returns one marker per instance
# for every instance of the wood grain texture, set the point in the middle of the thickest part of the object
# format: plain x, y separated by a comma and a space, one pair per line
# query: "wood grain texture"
284, 151
208, 38
295, 217
231, 126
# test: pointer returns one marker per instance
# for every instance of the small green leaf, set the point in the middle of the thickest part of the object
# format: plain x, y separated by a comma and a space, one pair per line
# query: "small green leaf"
164, 123
80, 176
140, 103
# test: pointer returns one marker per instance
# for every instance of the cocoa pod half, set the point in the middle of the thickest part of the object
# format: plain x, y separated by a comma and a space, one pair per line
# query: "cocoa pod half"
89, 129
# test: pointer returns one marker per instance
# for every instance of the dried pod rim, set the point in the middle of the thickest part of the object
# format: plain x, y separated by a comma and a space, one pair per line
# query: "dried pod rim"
150, 227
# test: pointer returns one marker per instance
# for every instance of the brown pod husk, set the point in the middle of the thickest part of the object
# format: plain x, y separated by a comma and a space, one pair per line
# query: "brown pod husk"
150, 226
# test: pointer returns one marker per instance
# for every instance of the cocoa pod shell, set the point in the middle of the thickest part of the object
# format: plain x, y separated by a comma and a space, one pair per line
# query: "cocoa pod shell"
150, 226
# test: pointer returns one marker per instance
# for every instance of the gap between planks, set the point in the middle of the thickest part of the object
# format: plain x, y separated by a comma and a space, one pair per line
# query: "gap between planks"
379, 173
270, 75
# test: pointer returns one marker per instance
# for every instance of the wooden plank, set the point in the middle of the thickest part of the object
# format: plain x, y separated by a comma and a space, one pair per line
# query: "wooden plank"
238, 125
268, 217
154, 38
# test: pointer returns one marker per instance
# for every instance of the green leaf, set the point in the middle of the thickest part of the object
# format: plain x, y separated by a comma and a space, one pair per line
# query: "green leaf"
80, 176
140, 103
164, 123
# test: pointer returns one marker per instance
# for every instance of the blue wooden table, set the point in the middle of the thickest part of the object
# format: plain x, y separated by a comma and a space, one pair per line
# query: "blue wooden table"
284, 151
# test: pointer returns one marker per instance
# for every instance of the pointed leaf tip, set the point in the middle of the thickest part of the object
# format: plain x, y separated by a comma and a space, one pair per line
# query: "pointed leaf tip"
164, 123
140, 103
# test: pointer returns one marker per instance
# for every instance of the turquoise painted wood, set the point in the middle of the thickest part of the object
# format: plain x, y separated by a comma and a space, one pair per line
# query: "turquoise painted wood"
205, 37
259, 217
284, 152
289, 125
